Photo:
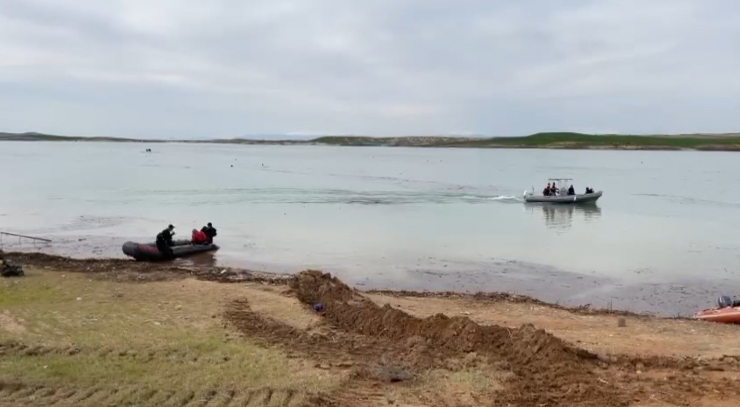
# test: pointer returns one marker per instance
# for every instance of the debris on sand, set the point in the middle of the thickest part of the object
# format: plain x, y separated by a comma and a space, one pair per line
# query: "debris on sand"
8, 269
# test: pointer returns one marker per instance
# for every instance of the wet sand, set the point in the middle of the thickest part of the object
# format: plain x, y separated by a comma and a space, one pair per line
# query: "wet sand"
411, 348
675, 298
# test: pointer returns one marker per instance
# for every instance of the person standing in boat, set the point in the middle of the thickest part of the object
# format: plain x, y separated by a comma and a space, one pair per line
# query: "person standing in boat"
554, 190
164, 241
210, 231
571, 190
546, 191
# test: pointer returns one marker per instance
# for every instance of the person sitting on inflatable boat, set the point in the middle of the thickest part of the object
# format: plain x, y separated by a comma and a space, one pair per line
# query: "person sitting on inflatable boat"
210, 231
199, 237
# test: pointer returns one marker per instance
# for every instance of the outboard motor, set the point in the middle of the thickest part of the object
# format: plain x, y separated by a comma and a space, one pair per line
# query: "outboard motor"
725, 301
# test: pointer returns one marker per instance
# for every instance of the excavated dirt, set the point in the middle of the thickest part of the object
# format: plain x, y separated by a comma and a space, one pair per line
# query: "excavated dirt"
546, 364
546, 370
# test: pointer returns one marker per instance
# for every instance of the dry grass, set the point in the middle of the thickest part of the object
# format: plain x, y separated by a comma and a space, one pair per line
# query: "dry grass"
71, 332
469, 387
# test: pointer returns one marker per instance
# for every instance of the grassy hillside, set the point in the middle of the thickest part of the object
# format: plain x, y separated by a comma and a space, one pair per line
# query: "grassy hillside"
580, 140
552, 140
33, 136
560, 140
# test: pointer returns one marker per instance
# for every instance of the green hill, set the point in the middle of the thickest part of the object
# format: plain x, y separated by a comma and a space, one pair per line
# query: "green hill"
554, 140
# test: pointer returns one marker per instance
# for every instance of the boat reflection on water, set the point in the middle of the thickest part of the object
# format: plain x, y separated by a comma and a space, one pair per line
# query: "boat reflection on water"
558, 216
206, 259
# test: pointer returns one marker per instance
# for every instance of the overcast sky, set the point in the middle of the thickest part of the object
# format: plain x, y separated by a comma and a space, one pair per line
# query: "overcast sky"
225, 68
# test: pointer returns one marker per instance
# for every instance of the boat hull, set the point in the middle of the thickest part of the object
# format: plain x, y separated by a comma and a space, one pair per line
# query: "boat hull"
567, 199
729, 315
149, 251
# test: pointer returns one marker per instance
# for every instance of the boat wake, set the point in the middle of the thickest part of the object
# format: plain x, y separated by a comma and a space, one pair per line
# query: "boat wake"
504, 198
334, 196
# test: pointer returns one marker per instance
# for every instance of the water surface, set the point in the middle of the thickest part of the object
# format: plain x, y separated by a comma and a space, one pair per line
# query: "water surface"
664, 237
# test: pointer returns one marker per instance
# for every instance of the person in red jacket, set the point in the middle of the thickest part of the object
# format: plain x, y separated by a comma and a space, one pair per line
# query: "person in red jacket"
199, 237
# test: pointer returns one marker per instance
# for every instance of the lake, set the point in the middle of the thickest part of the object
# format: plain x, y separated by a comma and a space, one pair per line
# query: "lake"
663, 238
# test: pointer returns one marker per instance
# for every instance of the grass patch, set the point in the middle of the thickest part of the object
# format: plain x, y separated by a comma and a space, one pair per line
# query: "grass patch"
467, 387
82, 332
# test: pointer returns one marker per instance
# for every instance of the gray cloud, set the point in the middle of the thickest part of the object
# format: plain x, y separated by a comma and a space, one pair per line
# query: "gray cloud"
187, 68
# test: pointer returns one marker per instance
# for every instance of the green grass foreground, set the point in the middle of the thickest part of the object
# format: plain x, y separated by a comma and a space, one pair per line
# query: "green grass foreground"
67, 339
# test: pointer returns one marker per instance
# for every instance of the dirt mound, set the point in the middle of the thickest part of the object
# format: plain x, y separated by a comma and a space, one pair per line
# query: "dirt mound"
331, 347
313, 286
349, 311
548, 370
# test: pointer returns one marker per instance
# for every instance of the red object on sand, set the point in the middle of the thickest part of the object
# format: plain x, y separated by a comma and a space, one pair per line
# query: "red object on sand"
728, 315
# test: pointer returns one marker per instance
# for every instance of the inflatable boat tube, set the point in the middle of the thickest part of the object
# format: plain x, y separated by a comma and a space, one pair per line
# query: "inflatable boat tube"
149, 251
729, 315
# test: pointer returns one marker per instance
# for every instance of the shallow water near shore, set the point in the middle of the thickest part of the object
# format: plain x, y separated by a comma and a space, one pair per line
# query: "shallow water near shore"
663, 238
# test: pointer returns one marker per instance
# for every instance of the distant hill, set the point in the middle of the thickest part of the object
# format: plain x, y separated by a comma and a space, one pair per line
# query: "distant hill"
561, 140
555, 140
33, 136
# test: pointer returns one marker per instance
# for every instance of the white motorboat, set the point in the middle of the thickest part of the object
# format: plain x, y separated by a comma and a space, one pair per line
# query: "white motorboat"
562, 197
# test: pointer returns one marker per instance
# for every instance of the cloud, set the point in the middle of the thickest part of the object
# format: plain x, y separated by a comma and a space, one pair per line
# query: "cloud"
223, 68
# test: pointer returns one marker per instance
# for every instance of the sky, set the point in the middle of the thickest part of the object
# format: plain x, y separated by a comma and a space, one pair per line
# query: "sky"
234, 68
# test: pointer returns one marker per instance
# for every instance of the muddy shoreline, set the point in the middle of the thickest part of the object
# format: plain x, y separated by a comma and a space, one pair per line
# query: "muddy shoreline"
542, 283
128, 270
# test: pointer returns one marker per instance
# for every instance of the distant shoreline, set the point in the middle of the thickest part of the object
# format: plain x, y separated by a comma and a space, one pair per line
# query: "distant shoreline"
562, 141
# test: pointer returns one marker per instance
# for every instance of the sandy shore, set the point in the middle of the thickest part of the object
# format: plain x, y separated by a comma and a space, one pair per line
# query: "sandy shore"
552, 285
111, 332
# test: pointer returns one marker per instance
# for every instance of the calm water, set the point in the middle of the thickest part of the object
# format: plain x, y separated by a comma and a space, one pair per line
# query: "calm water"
664, 237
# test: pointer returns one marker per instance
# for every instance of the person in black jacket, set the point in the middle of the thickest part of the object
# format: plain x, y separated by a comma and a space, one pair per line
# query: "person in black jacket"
210, 231
164, 241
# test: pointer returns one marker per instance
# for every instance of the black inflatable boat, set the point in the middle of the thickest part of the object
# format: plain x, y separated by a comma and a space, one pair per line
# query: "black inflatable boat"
149, 251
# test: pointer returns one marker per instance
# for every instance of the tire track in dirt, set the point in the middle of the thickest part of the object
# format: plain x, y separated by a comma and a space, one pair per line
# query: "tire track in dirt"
221, 399
16, 348
162, 397
21, 394
243, 399
63, 396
